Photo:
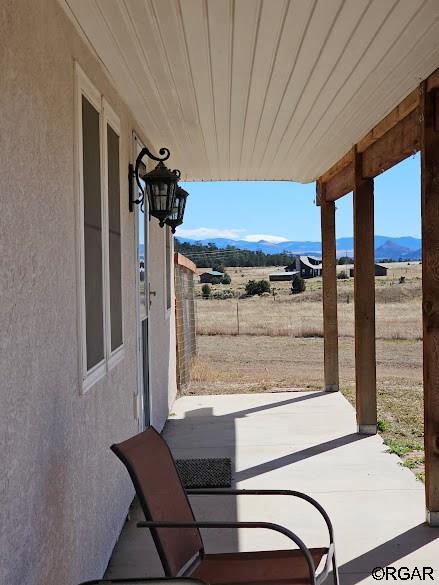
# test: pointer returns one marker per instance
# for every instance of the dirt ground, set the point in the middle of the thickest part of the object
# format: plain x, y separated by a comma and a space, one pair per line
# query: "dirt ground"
280, 345
257, 363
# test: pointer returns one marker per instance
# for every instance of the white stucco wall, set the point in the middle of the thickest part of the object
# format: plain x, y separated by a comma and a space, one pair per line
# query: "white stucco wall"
63, 494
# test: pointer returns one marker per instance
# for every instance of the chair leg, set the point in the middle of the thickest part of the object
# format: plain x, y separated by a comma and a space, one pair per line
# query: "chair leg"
335, 570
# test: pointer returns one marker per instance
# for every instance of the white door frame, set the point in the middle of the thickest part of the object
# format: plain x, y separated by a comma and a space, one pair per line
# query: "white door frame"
143, 409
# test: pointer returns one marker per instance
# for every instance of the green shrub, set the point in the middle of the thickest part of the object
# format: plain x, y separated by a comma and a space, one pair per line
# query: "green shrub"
223, 294
383, 425
226, 279
218, 267
345, 260
206, 291
402, 447
343, 275
298, 284
258, 287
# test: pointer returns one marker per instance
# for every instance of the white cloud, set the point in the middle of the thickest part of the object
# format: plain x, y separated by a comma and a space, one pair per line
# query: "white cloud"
266, 238
203, 233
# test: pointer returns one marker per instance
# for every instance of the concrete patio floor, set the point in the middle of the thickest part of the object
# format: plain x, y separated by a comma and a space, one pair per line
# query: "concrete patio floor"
305, 441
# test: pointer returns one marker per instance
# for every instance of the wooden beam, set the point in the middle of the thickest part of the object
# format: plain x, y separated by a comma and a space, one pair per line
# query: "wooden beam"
378, 155
329, 274
364, 294
345, 161
340, 184
436, 111
430, 296
433, 81
401, 141
402, 110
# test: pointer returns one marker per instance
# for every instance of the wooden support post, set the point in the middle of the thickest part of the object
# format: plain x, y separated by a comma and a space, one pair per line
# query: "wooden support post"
364, 294
329, 274
430, 294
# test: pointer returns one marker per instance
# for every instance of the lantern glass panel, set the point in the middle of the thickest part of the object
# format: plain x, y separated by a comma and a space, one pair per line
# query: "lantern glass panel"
175, 210
161, 187
163, 202
181, 206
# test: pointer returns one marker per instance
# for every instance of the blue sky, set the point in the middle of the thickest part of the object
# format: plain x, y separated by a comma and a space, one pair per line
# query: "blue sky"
280, 211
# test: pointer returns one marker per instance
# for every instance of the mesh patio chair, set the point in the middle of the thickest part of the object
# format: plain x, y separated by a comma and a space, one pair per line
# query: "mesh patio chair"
146, 581
177, 536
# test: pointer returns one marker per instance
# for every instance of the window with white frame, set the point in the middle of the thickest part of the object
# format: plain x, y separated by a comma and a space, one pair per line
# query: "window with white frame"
168, 267
99, 232
114, 238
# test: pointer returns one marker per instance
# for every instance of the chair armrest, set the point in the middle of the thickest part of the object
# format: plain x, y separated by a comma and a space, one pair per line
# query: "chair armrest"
264, 525
292, 493
147, 581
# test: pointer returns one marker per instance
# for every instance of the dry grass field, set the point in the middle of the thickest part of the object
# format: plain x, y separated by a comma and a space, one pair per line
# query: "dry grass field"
398, 309
280, 345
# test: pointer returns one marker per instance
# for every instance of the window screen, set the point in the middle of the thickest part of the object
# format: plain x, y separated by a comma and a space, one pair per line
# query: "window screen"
114, 238
92, 234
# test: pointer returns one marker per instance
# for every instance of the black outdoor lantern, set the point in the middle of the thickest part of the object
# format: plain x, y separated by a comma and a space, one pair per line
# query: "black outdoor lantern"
160, 185
176, 217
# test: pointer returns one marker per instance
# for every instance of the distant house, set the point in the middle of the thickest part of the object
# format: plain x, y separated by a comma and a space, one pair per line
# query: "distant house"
380, 270
282, 276
307, 266
211, 277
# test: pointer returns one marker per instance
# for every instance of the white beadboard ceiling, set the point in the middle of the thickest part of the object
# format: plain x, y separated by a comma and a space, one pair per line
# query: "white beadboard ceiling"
260, 89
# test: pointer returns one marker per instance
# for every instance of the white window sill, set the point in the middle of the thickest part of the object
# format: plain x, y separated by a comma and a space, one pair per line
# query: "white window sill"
116, 357
94, 376
101, 369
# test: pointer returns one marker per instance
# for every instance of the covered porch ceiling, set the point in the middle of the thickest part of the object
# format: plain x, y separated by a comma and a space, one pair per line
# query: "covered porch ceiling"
260, 89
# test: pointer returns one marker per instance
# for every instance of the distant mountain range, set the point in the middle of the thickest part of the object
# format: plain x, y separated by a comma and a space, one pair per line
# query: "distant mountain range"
404, 247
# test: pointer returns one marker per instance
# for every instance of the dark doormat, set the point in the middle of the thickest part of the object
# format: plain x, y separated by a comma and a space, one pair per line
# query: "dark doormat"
205, 473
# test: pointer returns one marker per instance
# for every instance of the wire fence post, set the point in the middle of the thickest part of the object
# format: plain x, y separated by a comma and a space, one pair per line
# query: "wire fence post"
237, 315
